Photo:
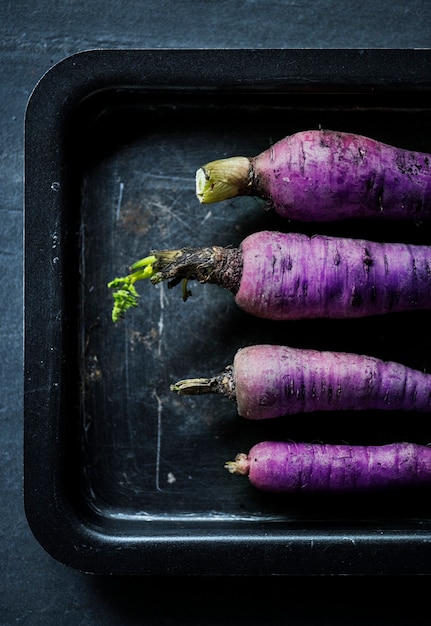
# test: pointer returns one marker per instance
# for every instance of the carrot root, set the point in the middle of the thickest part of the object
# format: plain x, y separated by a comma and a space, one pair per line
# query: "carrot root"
284, 467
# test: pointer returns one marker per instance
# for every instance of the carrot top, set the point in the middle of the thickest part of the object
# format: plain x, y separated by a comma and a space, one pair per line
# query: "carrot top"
126, 296
222, 179
176, 266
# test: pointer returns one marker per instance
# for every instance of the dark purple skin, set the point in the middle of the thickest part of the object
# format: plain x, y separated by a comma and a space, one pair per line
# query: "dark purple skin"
323, 175
282, 467
271, 381
293, 276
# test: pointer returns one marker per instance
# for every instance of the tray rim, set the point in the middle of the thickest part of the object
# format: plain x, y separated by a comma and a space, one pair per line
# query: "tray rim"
89, 547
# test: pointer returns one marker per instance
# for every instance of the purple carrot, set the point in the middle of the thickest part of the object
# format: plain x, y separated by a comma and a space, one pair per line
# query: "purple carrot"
305, 467
269, 381
287, 276
324, 175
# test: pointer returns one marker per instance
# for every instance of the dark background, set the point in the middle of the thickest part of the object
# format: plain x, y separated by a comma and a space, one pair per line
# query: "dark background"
34, 588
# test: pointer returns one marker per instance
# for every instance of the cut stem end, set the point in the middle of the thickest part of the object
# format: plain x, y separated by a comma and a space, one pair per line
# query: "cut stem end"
223, 383
222, 179
194, 386
239, 466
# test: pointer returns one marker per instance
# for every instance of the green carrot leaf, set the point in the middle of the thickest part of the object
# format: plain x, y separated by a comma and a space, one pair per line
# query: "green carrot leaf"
126, 295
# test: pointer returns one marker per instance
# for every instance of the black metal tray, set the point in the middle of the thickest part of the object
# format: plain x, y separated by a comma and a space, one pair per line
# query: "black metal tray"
121, 475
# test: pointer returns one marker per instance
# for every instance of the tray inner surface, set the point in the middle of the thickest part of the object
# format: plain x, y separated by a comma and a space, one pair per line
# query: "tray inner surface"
142, 453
